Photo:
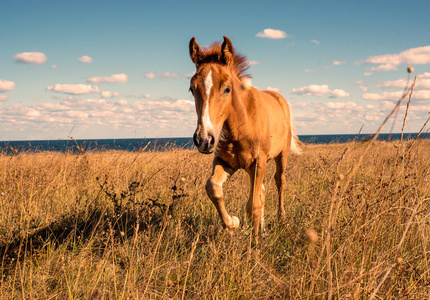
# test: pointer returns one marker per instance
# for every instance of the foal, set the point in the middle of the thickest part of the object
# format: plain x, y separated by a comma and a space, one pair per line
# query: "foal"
244, 127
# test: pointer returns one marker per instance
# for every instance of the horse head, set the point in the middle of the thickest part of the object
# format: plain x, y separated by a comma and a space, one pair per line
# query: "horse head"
212, 88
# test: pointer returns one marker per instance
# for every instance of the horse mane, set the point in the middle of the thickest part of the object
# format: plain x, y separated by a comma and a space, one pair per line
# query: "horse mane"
240, 62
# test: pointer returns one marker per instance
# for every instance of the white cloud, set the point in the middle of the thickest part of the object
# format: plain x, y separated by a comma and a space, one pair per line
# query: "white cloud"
320, 90
309, 70
338, 63
53, 67
341, 105
423, 82
300, 105
33, 113
141, 96
178, 105
397, 84
122, 102
414, 56
98, 118
167, 75
150, 75
335, 117
272, 34
316, 42
390, 62
85, 59
253, 62
348, 117
189, 75
107, 94
6, 85
3, 98
312, 90
337, 93
384, 68
417, 95
104, 118
74, 89
32, 58
269, 88
120, 78
383, 96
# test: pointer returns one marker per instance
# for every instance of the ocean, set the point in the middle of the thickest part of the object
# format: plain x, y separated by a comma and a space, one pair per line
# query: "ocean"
163, 144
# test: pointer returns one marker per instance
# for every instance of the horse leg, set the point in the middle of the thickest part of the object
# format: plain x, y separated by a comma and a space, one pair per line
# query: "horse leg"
255, 205
281, 165
220, 174
263, 201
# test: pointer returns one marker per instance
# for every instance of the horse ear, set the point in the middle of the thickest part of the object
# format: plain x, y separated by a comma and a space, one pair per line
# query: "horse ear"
196, 53
227, 51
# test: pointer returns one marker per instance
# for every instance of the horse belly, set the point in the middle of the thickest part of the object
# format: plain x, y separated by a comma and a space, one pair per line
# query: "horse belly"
279, 142
280, 131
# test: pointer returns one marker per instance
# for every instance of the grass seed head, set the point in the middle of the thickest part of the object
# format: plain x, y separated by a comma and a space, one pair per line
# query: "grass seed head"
312, 236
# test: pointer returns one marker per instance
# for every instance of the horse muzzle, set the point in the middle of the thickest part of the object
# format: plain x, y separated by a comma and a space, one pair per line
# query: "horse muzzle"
205, 144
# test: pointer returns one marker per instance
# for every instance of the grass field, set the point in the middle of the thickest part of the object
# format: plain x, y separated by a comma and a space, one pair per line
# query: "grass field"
120, 225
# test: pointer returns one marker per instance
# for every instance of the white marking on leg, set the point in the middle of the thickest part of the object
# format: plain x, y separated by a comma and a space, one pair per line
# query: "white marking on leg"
263, 188
208, 87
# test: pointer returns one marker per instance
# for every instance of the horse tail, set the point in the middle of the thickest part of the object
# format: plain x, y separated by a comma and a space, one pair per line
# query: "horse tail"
295, 142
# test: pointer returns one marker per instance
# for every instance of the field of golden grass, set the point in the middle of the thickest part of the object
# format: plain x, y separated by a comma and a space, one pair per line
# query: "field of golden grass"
138, 225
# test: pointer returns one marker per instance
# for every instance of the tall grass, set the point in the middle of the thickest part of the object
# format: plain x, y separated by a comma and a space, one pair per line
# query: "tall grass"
105, 225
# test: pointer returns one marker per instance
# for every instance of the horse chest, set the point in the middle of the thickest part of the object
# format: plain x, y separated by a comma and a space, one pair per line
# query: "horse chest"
235, 154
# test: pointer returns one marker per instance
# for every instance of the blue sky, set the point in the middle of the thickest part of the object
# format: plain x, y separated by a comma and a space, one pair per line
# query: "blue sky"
120, 69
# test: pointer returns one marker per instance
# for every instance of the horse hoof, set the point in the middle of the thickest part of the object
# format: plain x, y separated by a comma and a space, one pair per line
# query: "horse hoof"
235, 222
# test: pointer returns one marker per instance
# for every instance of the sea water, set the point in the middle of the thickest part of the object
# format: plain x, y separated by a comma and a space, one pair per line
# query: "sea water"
163, 144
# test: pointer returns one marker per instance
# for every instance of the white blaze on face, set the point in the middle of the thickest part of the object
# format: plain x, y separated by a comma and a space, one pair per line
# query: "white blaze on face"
208, 87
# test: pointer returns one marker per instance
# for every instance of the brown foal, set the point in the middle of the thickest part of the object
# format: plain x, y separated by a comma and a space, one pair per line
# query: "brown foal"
242, 126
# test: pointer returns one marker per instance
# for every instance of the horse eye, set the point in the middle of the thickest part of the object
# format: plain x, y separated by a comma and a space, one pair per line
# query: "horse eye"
227, 90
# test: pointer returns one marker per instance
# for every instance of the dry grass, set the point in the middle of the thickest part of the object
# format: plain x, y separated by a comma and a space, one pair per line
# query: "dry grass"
108, 225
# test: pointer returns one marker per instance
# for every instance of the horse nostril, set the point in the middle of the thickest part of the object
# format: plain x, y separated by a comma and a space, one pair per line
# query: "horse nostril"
196, 140
211, 140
